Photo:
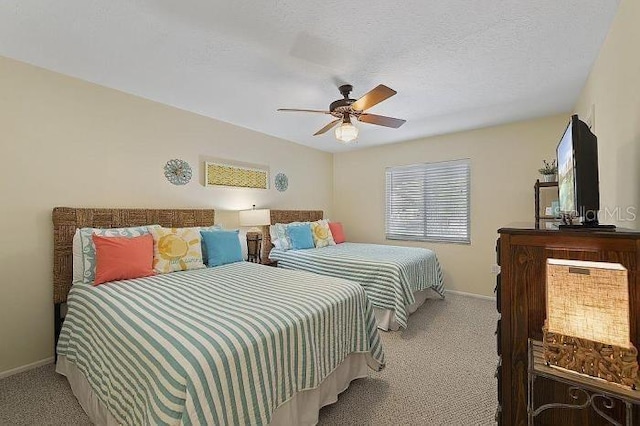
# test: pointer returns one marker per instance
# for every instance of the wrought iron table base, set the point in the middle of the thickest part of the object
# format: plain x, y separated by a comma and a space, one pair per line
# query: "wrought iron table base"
585, 397
578, 393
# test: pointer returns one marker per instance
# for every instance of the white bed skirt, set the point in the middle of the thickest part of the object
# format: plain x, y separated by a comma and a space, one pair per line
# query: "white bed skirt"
301, 409
386, 318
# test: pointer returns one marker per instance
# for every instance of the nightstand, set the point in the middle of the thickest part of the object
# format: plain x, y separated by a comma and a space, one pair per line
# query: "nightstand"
254, 247
269, 262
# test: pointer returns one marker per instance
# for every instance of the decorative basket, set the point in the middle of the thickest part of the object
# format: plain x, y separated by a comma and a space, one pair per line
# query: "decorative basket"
609, 362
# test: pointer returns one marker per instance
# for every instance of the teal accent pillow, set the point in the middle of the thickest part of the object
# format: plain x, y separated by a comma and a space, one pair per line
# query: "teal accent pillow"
203, 246
300, 236
222, 247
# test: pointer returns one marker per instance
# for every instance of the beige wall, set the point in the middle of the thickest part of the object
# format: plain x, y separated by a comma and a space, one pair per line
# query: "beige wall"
68, 142
504, 164
613, 93
65, 142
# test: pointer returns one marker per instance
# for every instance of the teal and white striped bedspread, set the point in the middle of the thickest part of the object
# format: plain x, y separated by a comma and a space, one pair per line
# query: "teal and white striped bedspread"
389, 274
224, 345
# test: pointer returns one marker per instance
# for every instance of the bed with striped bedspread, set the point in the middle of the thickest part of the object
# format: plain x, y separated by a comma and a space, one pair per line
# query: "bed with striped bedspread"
389, 274
223, 345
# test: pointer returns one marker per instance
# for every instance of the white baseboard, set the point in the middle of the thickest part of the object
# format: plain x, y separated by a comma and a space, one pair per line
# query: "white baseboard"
477, 296
27, 367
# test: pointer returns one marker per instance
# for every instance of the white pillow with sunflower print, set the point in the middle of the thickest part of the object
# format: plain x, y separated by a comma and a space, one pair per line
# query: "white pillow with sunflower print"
322, 234
176, 249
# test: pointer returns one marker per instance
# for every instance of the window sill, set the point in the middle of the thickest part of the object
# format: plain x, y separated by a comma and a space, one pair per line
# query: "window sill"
428, 240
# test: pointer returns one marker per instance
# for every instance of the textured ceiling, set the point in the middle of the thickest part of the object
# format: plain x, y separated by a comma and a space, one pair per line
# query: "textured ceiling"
456, 64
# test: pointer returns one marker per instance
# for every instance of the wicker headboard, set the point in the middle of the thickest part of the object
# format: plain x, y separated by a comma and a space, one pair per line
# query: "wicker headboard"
287, 216
66, 220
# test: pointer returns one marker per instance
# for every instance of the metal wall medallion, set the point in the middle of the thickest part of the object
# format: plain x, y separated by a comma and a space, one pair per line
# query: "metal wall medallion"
282, 182
178, 172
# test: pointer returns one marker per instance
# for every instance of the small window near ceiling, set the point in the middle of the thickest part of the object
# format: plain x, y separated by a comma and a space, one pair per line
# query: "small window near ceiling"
429, 202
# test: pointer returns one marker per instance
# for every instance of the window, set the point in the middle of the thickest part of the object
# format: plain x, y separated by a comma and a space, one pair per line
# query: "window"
428, 202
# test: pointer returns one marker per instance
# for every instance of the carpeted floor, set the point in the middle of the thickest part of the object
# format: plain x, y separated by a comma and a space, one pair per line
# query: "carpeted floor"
439, 372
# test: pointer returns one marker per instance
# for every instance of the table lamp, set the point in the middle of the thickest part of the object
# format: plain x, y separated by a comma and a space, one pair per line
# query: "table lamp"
587, 329
256, 219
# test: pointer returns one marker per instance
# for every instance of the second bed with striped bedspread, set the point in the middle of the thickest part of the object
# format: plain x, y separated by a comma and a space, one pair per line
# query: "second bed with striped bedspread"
389, 274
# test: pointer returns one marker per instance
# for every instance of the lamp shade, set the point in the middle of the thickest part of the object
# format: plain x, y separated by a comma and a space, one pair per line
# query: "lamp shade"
255, 217
588, 300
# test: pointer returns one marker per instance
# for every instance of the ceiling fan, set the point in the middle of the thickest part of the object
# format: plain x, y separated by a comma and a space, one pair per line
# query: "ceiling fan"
345, 109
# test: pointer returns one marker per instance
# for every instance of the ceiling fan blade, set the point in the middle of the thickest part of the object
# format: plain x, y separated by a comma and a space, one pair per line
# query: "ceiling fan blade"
328, 127
304, 110
381, 120
374, 97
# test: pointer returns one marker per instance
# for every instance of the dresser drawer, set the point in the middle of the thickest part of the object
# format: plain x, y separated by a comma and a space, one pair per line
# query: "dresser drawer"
498, 251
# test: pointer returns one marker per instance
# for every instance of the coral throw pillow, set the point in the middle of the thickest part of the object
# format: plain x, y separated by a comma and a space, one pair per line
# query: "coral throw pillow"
176, 249
87, 249
122, 258
337, 232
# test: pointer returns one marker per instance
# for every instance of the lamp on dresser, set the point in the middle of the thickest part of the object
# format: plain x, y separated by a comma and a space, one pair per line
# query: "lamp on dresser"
587, 329
256, 219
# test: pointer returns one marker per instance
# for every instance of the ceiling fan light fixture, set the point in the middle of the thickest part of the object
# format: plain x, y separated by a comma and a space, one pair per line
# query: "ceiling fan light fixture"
343, 109
346, 132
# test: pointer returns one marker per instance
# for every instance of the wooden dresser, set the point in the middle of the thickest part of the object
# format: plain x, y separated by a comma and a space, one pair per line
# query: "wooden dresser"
520, 290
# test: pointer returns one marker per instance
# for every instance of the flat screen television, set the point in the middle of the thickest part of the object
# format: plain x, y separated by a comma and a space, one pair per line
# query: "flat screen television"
578, 185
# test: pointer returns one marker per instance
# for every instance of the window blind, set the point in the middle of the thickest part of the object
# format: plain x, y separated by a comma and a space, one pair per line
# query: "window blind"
428, 202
